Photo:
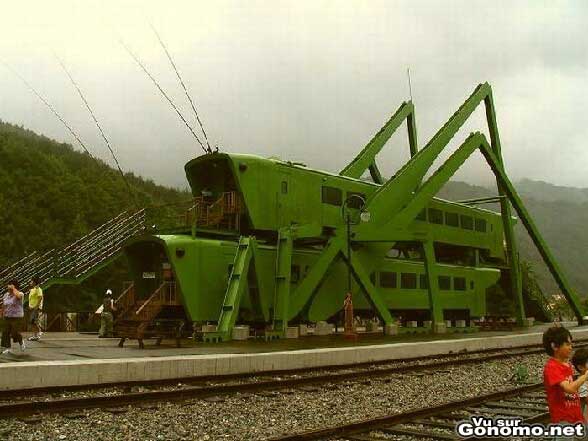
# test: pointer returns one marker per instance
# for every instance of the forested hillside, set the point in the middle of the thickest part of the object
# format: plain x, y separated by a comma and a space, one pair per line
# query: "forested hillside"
51, 194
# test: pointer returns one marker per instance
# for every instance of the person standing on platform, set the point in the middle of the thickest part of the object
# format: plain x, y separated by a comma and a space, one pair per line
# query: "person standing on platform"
348, 308
106, 317
580, 362
560, 387
36, 308
13, 317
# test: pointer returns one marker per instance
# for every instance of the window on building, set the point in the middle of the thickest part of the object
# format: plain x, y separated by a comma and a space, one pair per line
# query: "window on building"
408, 281
481, 225
435, 216
294, 274
444, 283
355, 202
373, 278
423, 282
459, 283
422, 216
387, 279
284, 187
452, 219
332, 196
467, 222
471, 284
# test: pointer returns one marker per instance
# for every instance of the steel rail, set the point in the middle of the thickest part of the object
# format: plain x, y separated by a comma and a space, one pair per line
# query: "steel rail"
453, 358
203, 391
371, 424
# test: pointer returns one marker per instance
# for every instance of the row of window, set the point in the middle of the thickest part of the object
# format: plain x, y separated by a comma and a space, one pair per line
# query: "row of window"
411, 281
389, 279
439, 217
334, 196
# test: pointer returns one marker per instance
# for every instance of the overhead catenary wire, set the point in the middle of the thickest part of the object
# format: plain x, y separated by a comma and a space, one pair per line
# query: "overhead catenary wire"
166, 96
169, 57
50, 107
108, 145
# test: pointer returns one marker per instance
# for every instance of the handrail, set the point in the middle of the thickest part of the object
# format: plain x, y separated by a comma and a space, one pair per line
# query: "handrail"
98, 246
121, 227
125, 292
81, 255
150, 299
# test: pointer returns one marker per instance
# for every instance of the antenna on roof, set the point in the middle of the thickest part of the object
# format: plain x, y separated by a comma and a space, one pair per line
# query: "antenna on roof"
50, 107
169, 57
73, 82
409, 85
142, 66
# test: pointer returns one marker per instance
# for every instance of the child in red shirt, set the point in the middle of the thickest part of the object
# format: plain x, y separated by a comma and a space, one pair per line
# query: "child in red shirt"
560, 387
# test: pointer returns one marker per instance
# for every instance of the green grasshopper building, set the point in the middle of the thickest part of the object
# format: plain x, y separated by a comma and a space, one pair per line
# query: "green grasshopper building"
270, 243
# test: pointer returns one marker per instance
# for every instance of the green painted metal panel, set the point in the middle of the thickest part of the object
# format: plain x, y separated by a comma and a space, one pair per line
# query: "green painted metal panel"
283, 278
365, 159
236, 286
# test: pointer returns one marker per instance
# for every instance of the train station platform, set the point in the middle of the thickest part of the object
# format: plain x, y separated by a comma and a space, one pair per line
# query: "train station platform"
73, 359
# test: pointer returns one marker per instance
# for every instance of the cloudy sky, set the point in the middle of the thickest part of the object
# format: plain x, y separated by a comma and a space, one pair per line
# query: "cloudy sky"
308, 81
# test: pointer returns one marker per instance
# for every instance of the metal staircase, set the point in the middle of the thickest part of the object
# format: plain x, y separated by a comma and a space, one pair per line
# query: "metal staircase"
234, 293
136, 317
221, 213
79, 260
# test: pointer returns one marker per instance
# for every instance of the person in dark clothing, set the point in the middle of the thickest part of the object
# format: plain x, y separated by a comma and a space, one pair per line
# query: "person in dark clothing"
107, 319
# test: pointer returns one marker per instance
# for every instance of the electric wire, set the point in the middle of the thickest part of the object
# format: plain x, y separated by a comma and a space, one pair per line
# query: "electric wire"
80, 93
169, 57
142, 66
50, 107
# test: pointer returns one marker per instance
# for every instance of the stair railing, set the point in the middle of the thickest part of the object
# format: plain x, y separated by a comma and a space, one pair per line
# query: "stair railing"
154, 299
126, 300
217, 212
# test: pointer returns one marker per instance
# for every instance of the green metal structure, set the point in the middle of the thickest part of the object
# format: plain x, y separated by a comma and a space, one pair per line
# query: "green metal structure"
264, 241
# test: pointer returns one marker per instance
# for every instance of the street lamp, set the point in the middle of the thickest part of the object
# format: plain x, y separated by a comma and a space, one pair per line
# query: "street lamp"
364, 216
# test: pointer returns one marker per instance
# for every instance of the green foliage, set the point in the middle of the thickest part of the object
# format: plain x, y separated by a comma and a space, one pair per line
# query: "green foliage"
498, 302
51, 195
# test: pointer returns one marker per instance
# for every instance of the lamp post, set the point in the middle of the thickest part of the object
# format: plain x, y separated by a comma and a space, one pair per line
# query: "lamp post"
364, 216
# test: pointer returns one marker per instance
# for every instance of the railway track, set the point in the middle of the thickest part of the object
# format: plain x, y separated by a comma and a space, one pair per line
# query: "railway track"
438, 422
357, 369
311, 383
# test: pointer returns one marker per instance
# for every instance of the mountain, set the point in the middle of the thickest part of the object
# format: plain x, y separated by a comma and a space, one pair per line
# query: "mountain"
51, 195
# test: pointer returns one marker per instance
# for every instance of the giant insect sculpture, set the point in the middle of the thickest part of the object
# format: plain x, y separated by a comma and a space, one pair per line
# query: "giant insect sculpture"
272, 243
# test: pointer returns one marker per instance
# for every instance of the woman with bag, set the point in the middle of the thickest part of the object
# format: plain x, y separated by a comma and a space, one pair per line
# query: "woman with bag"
13, 317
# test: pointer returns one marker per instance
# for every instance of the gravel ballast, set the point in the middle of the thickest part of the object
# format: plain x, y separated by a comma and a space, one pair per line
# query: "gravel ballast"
262, 415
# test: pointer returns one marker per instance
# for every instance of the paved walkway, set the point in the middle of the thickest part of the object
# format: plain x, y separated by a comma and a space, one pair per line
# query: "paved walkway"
75, 346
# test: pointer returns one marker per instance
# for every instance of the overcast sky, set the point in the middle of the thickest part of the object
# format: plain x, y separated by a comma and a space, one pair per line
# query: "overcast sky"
304, 81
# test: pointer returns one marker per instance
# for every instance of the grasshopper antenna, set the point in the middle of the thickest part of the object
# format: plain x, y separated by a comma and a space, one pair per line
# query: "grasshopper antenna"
50, 107
169, 57
73, 82
142, 66
409, 83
